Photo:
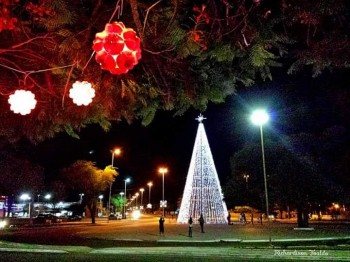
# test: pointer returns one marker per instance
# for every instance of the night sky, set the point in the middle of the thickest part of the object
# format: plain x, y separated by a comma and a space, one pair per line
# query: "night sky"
296, 104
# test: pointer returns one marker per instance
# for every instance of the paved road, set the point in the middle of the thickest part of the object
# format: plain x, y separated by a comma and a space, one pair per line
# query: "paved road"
138, 240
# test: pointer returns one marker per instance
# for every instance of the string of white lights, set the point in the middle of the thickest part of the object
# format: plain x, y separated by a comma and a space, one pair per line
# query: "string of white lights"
202, 193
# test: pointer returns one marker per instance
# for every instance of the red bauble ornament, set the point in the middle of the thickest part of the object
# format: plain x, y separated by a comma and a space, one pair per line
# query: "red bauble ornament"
117, 48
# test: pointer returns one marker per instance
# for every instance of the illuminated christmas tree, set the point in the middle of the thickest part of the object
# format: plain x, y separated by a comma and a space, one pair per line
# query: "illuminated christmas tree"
202, 194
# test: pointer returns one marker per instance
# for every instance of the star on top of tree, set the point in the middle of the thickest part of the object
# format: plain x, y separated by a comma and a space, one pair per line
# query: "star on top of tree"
200, 118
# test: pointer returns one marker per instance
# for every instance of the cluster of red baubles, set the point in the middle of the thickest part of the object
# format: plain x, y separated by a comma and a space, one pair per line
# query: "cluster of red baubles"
7, 20
117, 48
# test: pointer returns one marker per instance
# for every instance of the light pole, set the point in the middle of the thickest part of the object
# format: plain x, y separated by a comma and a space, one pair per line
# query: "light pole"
163, 171
81, 197
260, 117
25, 197
122, 197
116, 152
149, 184
100, 197
136, 196
127, 180
141, 190
246, 177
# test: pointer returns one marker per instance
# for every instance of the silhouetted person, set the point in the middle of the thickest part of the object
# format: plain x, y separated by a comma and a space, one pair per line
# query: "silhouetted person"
201, 223
244, 218
229, 218
161, 226
190, 222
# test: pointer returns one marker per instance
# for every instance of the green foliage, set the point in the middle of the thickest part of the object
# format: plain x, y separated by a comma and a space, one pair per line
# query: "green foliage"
187, 61
118, 202
62, 15
85, 177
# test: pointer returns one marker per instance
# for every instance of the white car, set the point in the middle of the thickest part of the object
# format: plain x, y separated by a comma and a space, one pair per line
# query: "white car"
117, 216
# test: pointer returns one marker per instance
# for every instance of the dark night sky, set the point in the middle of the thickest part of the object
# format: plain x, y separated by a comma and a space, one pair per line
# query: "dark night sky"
166, 141
169, 140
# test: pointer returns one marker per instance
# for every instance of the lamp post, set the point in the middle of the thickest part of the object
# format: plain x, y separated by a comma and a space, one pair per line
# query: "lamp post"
163, 171
25, 197
127, 180
259, 118
246, 177
81, 197
136, 196
116, 152
149, 184
100, 197
141, 190
122, 197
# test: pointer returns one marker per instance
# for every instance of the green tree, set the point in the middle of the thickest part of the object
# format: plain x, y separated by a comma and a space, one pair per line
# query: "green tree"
118, 202
84, 176
193, 53
293, 177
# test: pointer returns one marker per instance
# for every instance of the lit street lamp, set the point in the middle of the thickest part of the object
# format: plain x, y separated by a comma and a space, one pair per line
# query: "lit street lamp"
48, 197
141, 190
136, 196
122, 197
150, 184
81, 197
25, 197
100, 197
163, 171
116, 152
260, 117
124, 206
246, 177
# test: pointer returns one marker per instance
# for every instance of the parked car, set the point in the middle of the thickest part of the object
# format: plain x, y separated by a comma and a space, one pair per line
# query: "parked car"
117, 216
46, 219
74, 218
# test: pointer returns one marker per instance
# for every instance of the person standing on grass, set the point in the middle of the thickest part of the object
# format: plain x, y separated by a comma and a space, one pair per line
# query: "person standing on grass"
161, 226
190, 222
201, 223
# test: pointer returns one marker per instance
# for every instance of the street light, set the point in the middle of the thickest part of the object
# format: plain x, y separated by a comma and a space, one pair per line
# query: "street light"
116, 152
259, 118
136, 196
81, 197
141, 190
100, 197
48, 197
163, 171
246, 177
149, 184
122, 197
124, 206
25, 197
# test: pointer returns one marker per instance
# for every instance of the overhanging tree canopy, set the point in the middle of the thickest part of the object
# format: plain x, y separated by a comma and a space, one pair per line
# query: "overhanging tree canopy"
193, 52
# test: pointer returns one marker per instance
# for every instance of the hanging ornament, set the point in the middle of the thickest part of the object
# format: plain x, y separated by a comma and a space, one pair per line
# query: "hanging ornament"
82, 93
117, 48
22, 102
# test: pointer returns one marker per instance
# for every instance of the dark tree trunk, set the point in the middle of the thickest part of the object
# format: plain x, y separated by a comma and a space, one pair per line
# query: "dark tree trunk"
92, 209
303, 218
